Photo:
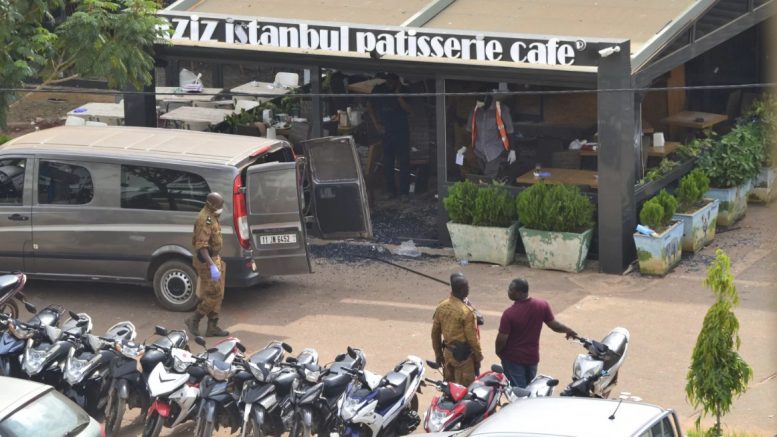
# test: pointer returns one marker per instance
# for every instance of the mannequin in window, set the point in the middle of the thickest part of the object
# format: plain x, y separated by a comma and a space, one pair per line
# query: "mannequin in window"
490, 127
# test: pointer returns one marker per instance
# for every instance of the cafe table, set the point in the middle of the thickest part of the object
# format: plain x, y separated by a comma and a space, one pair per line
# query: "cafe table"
176, 94
260, 91
653, 152
111, 113
564, 176
197, 115
695, 119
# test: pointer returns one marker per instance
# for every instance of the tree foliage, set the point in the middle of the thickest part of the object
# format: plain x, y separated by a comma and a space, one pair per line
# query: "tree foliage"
657, 212
717, 371
111, 40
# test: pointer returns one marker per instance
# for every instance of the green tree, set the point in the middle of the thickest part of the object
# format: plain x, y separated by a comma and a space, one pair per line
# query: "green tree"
112, 40
717, 371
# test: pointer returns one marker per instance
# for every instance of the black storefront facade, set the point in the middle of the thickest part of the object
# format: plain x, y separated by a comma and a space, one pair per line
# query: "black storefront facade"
608, 65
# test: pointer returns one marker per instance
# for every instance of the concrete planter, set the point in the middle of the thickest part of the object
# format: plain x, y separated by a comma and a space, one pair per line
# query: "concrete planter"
699, 226
658, 255
733, 202
564, 251
484, 243
763, 186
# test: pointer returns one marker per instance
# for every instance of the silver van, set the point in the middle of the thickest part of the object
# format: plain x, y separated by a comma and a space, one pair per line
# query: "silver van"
119, 203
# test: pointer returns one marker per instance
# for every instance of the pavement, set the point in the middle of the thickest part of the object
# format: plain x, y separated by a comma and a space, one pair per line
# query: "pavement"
387, 312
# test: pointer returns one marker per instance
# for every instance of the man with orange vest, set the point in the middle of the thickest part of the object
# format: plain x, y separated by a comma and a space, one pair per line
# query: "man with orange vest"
490, 125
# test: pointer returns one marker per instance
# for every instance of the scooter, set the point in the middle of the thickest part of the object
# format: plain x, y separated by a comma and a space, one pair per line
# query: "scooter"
11, 287
595, 374
316, 409
263, 366
85, 373
18, 333
129, 375
376, 407
45, 361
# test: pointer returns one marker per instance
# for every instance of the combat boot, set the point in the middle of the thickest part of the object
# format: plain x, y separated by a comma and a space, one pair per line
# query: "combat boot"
193, 323
214, 330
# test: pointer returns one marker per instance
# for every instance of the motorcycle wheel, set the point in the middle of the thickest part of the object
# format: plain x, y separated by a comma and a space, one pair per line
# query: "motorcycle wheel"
9, 307
114, 413
299, 429
253, 429
204, 428
153, 425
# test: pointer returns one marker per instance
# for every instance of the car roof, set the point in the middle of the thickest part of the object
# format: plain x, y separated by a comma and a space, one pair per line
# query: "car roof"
569, 417
144, 143
18, 392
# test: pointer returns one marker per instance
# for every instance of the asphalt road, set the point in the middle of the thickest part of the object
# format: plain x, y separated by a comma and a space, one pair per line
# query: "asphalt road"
387, 312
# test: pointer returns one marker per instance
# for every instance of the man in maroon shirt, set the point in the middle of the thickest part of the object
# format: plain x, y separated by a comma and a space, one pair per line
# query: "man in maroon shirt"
518, 341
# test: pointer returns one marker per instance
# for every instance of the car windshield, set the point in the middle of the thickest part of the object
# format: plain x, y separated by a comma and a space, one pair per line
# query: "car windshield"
49, 415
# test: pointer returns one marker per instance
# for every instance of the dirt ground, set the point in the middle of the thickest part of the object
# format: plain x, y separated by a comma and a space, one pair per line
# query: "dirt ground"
46, 110
387, 311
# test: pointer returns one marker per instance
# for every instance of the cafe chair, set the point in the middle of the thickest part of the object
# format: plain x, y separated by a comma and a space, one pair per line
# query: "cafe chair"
74, 121
286, 79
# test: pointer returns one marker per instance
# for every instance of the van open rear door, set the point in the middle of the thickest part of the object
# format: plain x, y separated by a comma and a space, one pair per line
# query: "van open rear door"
337, 191
275, 220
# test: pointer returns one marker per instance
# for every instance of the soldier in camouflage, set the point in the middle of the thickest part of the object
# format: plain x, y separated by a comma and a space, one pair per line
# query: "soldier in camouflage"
455, 335
211, 269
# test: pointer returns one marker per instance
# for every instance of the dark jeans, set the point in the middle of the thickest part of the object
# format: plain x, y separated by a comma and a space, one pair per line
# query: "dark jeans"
519, 375
396, 149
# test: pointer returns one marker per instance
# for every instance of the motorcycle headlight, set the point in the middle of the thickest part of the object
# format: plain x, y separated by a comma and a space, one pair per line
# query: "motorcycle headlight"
438, 419
33, 360
219, 370
19, 332
350, 408
76, 369
312, 375
180, 365
259, 371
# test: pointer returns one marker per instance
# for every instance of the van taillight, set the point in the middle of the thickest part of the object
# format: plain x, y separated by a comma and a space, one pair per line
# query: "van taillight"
240, 213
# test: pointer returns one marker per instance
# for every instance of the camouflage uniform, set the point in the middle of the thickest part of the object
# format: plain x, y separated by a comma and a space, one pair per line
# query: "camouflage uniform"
207, 234
456, 322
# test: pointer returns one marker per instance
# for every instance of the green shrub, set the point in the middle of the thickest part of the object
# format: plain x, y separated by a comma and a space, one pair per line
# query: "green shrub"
664, 167
4, 139
657, 212
691, 189
557, 208
460, 202
494, 206
736, 157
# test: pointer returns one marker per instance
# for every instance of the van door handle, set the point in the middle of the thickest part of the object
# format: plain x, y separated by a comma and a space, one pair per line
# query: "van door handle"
18, 218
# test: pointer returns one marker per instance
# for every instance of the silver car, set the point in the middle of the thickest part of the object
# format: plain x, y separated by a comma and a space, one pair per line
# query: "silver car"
29, 408
118, 204
575, 417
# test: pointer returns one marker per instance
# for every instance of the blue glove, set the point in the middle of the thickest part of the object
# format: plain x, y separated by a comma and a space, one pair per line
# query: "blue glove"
215, 274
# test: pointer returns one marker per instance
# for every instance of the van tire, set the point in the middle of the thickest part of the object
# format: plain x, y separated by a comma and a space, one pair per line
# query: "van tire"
175, 284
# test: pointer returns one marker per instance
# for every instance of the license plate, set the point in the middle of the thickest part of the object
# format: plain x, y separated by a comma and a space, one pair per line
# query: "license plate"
278, 239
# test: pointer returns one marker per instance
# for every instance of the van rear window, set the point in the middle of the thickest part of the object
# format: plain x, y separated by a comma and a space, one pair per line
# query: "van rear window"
162, 189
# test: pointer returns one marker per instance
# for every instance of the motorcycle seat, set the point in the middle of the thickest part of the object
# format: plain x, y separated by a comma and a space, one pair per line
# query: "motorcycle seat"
266, 356
174, 339
396, 379
8, 283
473, 409
119, 331
388, 395
336, 384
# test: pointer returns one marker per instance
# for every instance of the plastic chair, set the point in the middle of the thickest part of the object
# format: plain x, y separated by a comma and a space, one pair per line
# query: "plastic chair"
186, 77
290, 80
245, 105
74, 121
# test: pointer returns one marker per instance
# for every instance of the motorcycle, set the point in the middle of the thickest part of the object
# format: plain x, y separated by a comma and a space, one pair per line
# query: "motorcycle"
376, 407
220, 388
173, 384
316, 409
129, 374
11, 287
261, 365
44, 361
17, 333
461, 407
86, 379
595, 374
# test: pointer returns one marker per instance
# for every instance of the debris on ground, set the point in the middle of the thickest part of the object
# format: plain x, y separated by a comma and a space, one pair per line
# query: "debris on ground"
355, 253
407, 248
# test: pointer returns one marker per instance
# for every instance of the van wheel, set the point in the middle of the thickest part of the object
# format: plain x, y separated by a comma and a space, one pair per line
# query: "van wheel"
174, 285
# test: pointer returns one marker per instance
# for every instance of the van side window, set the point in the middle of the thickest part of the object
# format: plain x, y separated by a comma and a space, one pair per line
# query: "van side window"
12, 181
162, 189
64, 184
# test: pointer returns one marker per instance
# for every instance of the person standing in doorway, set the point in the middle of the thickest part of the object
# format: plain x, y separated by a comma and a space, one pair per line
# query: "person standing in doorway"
518, 341
455, 336
390, 117
211, 269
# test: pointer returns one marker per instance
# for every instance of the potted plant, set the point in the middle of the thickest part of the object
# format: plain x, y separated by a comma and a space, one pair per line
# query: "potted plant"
242, 123
764, 115
483, 224
660, 248
699, 215
731, 162
557, 226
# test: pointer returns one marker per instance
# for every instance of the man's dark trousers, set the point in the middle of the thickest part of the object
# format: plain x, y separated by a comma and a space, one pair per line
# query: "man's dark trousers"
396, 147
519, 375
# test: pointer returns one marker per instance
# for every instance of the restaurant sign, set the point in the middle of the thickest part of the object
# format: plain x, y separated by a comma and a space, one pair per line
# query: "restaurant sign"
411, 42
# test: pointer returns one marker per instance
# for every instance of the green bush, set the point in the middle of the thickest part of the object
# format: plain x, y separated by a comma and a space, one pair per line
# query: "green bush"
494, 206
460, 202
556, 208
736, 157
691, 189
4, 139
657, 212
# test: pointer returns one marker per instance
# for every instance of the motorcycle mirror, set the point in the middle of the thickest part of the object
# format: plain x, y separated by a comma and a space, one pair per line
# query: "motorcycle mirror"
286, 347
73, 315
199, 340
351, 352
497, 368
30, 307
160, 330
552, 382
291, 360
240, 347
433, 364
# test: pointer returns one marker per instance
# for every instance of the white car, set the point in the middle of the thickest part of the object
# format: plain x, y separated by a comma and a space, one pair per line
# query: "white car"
575, 417
28, 408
